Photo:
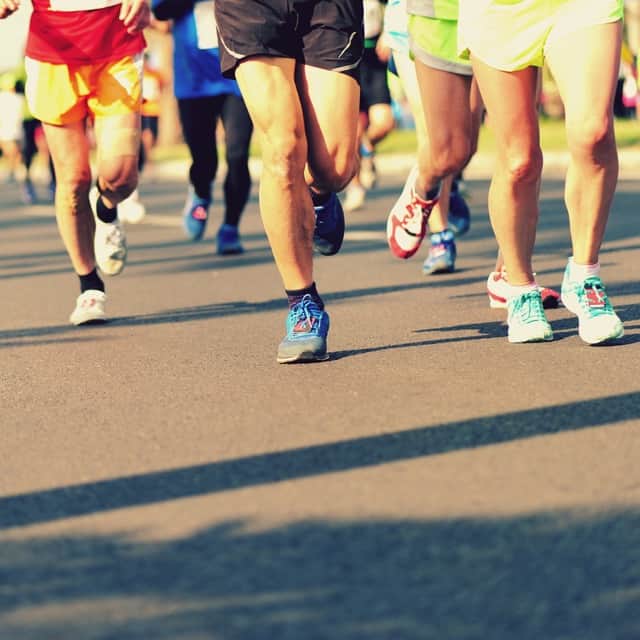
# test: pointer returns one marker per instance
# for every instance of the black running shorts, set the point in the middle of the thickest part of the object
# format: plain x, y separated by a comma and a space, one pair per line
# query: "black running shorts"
321, 33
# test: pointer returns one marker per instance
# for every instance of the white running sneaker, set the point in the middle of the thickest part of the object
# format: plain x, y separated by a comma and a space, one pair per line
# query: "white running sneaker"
132, 210
597, 321
407, 222
526, 319
109, 242
498, 292
354, 199
89, 308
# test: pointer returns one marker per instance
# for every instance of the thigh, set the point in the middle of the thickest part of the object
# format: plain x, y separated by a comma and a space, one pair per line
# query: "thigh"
585, 65
279, 118
69, 149
445, 103
331, 105
510, 100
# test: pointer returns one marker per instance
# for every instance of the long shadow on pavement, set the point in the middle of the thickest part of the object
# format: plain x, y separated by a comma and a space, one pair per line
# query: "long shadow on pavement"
562, 575
94, 497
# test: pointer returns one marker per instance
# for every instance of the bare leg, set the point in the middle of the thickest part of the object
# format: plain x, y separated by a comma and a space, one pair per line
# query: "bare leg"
285, 203
513, 196
585, 66
69, 149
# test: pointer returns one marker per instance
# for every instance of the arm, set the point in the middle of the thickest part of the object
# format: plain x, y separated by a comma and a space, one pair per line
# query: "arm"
7, 7
135, 14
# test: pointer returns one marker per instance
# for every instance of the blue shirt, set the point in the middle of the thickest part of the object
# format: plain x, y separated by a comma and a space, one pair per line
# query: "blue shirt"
196, 60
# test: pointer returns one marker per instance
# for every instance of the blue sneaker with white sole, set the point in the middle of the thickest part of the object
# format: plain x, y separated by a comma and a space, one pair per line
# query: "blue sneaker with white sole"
195, 216
307, 330
442, 254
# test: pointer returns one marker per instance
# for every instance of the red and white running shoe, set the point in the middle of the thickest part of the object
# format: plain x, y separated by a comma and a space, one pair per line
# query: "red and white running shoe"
498, 292
407, 222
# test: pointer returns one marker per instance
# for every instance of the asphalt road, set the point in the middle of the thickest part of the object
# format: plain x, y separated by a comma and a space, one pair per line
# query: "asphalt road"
161, 477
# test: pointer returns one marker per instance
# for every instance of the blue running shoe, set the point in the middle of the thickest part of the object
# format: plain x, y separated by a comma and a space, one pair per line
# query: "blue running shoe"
195, 215
329, 232
442, 254
459, 214
228, 241
29, 195
307, 329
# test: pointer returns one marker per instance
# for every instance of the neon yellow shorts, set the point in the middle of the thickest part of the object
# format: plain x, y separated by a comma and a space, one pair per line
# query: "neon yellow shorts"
59, 94
434, 42
513, 34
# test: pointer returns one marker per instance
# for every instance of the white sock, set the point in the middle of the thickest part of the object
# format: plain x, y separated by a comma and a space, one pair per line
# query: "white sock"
516, 290
580, 272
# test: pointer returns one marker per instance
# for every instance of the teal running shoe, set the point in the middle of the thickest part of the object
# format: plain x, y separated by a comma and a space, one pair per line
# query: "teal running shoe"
526, 319
597, 321
307, 329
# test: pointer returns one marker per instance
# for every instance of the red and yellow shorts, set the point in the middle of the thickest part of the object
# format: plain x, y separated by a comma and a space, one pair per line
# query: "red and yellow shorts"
60, 94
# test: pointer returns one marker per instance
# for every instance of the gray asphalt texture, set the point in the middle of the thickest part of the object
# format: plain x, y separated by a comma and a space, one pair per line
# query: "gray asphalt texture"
162, 477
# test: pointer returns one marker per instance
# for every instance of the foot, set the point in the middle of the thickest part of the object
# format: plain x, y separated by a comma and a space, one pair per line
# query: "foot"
307, 329
498, 292
459, 214
407, 222
442, 254
526, 319
354, 199
228, 241
195, 216
89, 308
368, 175
132, 210
329, 231
109, 242
597, 321
29, 195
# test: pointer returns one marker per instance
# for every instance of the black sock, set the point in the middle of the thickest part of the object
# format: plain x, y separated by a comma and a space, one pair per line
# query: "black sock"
103, 212
91, 281
319, 198
295, 295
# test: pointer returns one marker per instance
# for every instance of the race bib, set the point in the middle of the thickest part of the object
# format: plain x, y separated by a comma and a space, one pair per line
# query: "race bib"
205, 19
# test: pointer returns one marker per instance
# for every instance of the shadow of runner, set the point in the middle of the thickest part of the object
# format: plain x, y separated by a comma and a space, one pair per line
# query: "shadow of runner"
546, 576
268, 468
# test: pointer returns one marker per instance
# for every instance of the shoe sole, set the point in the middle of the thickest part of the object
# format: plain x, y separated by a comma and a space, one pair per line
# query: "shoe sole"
88, 321
590, 340
305, 356
513, 340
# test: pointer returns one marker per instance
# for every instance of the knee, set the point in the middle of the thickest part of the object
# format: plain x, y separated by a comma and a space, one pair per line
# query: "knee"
284, 155
524, 166
450, 158
335, 170
591, 136
119, 181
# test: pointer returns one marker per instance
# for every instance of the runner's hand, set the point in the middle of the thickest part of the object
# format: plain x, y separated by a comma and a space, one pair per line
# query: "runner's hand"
135, 14
7, 7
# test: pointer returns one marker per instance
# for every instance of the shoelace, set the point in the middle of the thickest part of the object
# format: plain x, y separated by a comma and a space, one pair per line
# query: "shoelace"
529, 307
303, 311
593, 294
114, 237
